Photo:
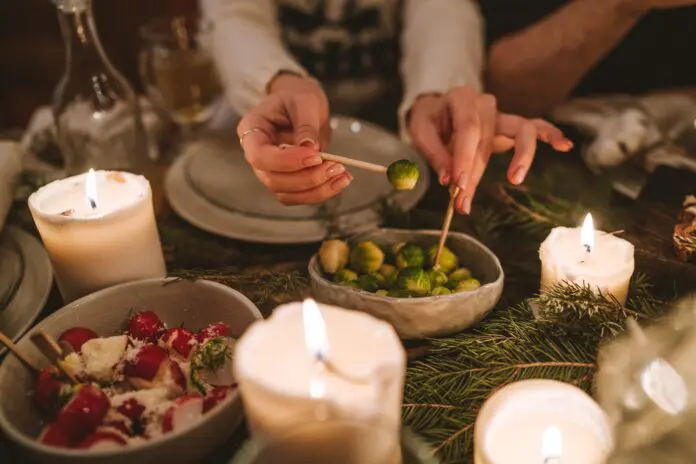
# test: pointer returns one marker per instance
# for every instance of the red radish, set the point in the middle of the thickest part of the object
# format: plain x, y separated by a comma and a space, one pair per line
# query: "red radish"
152, 368
214, 330
132, 409
180, 340
76, 337
146, 362
118, 421
216, 396
103, 439
146, 325
47, 391
55, 435
184, 413
84, 412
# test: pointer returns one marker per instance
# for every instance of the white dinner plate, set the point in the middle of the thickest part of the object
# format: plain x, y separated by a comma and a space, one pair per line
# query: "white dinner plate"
212, 186
28, 295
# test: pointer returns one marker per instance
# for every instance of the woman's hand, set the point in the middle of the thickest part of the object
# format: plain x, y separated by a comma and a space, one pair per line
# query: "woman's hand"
296, 112
459, 131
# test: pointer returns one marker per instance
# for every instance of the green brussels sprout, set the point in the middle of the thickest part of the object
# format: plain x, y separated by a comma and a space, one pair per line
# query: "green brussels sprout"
352, 283
387, 270
382, 292
448, 260
396, 293
437, 278
414, 279
381, 280
396, 248
460, 274
368, 282
438, 291
333, 255
344, 276
403, 174
366, 257
410, 255
467, 285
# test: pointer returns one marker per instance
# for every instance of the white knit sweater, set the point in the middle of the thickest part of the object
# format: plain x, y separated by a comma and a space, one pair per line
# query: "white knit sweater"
441, 44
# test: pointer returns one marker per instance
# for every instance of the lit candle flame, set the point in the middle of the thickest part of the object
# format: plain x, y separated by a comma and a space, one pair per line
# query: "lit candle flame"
91, 189
315, 330
587, 233
552, 445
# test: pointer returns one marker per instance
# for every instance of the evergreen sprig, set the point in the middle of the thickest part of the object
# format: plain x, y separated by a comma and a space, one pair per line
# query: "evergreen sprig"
445, 391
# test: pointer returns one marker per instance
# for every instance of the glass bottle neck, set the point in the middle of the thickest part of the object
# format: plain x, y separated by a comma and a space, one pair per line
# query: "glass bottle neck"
83, 49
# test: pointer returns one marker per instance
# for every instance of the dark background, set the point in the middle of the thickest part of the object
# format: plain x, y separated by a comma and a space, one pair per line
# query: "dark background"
32, 54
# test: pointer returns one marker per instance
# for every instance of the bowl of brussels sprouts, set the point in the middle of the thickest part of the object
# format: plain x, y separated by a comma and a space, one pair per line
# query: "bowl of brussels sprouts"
389, 273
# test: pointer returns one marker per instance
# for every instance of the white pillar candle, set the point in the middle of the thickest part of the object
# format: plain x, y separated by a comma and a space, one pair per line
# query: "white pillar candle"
99, 230
541, 421
588, 257
309, 360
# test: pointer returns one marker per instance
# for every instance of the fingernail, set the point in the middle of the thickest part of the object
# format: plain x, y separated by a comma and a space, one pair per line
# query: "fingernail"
312, 161
335, 170
466, 205
341, 183
569, 143
442, 174
461, 183
519, 174
307, 142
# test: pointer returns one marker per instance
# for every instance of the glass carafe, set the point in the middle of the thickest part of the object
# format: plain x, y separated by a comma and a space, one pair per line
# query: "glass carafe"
96, 113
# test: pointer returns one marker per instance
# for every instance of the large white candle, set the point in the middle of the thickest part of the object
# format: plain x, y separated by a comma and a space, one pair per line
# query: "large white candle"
99, 229
308, 361
541, 421
585, 256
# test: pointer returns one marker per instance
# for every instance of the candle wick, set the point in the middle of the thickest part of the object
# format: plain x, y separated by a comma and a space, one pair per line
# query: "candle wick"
93, 203
588, 248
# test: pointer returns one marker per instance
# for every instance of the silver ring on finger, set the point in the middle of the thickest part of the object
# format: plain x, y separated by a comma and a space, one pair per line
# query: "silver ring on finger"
247, 132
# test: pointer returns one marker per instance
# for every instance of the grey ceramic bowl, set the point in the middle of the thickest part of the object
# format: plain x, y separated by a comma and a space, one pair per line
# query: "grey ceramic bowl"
415, 318
195, 304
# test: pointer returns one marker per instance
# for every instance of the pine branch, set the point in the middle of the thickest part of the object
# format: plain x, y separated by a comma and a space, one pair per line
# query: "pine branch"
445, 391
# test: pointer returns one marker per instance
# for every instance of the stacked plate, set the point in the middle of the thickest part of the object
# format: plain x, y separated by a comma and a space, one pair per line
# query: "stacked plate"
25, 281
212, 187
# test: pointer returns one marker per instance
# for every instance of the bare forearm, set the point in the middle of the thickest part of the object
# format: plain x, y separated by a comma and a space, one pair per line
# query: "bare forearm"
536, 69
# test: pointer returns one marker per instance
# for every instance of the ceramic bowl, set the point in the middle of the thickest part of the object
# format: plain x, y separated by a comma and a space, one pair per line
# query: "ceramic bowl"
195, 304
415, 318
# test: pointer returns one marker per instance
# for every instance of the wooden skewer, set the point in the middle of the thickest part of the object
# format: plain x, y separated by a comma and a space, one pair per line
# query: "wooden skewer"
52, 350
21, 356
349, 161
445, 226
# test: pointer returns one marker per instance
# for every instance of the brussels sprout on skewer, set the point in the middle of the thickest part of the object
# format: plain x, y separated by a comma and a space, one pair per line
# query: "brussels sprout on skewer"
448, 260
403, 174
333, 255
366, 257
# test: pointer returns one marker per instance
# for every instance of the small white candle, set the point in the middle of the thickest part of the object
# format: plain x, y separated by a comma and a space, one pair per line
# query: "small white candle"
99, 230
541, 422
309, 360
585, 256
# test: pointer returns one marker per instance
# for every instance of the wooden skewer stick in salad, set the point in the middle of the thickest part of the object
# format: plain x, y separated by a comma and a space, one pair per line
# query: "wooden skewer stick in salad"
53, 352
454, 191
4, 339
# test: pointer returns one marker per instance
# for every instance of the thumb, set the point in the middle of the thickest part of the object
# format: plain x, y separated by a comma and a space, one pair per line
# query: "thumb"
305, 115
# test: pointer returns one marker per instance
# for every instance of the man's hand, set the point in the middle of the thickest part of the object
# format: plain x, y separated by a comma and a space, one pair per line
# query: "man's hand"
295, 112
459, 131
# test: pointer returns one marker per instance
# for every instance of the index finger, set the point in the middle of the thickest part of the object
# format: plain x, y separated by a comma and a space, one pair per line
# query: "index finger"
261, 152
466, 134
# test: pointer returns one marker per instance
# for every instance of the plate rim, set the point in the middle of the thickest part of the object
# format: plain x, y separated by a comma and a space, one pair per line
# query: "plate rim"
37, 280
186, 203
